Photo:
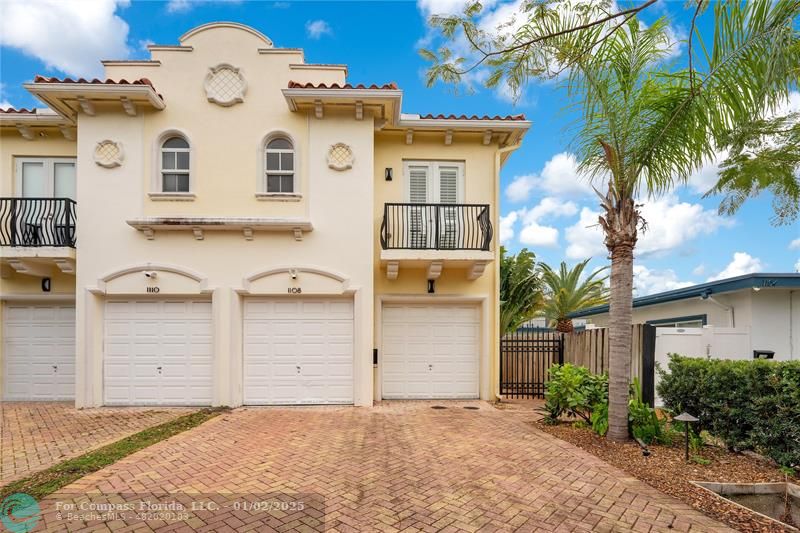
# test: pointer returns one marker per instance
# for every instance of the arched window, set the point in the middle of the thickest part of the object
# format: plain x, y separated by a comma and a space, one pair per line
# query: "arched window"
280, 166
175, 165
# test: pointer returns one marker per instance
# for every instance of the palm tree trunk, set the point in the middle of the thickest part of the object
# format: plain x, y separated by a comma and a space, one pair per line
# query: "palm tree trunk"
564, 325
620, 315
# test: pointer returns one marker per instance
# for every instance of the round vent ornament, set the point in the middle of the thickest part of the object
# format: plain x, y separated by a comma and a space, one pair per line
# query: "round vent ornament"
340, 157
108, 154
225, 85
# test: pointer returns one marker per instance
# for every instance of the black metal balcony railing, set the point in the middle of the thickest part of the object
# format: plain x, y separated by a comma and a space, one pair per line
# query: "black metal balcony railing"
436, 227
37, 222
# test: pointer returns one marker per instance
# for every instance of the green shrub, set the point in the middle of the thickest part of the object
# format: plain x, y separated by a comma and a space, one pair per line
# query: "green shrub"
574, 391
749, 405
643, 422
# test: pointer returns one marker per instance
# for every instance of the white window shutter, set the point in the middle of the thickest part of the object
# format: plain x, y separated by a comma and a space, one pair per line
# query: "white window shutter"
418, 185
448, 185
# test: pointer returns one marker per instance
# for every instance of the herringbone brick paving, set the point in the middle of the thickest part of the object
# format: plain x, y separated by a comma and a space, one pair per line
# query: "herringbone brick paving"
37, 435
400, 466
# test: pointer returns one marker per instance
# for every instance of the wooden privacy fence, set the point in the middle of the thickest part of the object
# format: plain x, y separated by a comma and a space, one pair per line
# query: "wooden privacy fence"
525, 357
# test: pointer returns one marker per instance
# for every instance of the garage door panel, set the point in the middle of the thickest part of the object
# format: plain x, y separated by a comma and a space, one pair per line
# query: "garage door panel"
39, 352
143, 336
298, 351
430, 351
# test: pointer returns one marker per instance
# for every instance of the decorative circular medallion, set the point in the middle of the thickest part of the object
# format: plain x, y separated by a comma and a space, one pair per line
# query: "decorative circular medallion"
108, 154
225, 85
340, 157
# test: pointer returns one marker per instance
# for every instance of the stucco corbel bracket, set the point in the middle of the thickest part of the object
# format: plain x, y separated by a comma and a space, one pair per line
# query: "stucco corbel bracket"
67, 132
435, 269
128, 106
359, 110
67, 266
248, 234
476, 270
149, 233
448, 137
198, 233
298, 234
26, 132
392, 269
487, 137
409, 136
318, 108
86, 106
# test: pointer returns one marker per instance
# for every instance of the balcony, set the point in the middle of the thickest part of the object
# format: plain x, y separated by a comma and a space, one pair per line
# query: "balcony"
36, 233
435, 236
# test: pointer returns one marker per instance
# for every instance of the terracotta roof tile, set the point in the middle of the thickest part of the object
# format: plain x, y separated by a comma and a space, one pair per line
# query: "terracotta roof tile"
298, 85
471, 117
94, 81
20, 111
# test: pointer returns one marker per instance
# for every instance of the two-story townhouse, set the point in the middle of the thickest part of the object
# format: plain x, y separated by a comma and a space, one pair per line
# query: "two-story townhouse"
225, 224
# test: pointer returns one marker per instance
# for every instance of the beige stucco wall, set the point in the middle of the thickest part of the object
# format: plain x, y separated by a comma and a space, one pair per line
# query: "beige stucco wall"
49, 142
337, 203
480, 187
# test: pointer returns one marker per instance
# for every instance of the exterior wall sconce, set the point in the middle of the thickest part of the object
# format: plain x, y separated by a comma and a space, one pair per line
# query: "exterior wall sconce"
431, 286
388, 174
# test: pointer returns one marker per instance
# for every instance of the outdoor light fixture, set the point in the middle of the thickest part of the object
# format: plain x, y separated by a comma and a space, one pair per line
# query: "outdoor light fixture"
388, 174
431, 286
687, 419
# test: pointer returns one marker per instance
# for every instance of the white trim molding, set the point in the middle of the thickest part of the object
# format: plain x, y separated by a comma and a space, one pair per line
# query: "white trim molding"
295, 272
184, 272
261, 165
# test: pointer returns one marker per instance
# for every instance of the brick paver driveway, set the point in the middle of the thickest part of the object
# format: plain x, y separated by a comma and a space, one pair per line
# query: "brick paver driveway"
37, 435
396, 467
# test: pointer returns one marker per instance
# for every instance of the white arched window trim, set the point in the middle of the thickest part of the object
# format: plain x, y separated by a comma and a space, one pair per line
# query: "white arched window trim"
156, 191
261, 178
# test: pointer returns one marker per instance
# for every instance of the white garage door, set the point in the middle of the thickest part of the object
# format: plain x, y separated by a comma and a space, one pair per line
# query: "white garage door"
158, 352
39, 352
298, 351
430, 351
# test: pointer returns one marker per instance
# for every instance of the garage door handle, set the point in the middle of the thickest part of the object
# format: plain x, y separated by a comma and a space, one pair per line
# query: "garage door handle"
55, 368
430, 367
298, 369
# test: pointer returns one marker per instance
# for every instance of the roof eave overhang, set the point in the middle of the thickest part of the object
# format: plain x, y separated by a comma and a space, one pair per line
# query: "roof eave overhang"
57, 95
465, 125
306, 97
32, 119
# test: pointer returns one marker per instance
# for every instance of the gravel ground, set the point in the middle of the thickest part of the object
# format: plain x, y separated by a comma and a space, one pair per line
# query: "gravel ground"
667, 471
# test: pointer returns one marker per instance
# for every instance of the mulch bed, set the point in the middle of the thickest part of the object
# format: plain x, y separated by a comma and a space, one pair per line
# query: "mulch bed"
666, 470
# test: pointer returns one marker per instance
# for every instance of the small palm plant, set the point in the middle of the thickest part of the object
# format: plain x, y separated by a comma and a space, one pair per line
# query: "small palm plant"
567, 291
520, 289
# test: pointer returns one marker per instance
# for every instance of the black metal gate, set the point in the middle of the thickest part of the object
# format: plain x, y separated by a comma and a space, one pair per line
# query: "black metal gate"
525, 358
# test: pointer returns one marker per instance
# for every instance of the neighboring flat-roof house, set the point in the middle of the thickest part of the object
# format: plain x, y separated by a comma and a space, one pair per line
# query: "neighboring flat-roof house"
226, 224
766, 304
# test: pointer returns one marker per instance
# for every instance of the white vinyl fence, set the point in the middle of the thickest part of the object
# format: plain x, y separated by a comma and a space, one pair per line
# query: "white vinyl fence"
709, 341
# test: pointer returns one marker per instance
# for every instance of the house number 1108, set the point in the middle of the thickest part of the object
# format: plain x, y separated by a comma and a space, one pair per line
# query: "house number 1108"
294, 290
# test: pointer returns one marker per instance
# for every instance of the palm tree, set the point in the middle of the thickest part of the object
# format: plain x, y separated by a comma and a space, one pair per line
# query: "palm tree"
520, 289
565, 292
642, 127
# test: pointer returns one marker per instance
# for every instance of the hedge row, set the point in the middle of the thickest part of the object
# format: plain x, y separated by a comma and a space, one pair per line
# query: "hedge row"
750, 405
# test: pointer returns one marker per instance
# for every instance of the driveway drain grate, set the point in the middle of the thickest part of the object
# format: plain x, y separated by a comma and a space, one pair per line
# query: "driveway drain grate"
438, 407
471, 407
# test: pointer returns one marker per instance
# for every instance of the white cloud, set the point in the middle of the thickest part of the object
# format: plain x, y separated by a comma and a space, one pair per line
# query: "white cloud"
507, 227
647, 281
441, 7
705, 178
315, 29
182, 6
533, 232
69, 36
741, 264
795, 244
559, 177
144, 43
699, 270
671, 223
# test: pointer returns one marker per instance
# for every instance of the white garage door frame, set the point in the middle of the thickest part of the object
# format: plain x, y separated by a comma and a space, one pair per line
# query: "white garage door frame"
353, 330
155, 299
31, 300
483, 302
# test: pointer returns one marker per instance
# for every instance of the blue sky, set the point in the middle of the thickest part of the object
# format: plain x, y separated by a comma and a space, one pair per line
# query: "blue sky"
545, 206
